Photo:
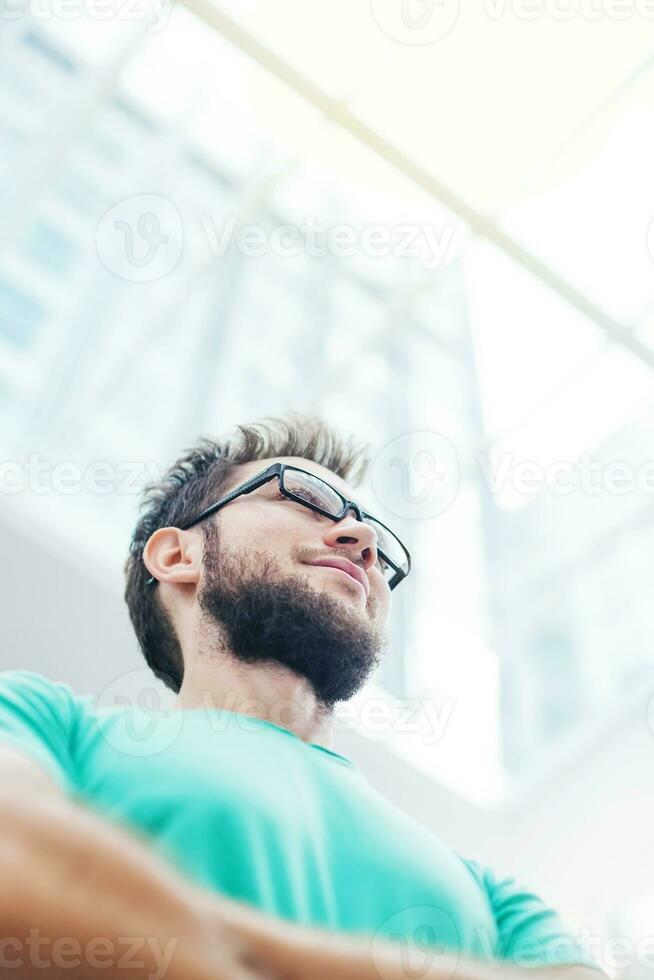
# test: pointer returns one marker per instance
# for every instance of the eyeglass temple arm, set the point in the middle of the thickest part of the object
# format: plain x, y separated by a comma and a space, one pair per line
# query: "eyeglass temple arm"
247, 487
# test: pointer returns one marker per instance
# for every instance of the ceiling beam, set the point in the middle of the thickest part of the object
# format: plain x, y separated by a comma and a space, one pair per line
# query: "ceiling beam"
336, 111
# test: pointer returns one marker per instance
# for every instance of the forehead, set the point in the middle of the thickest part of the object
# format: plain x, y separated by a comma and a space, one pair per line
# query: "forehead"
243, 472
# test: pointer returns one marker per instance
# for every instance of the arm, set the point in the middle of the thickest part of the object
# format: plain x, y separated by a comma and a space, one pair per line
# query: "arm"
95, 896
68, 873
302, 953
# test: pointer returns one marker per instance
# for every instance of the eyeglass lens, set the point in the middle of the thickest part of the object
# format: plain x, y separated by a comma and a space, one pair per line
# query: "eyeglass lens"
316, 491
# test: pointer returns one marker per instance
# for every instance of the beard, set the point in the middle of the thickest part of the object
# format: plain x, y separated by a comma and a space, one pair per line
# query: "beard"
267, 616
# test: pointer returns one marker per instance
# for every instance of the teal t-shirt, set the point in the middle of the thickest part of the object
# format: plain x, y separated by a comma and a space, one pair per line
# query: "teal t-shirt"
245, 808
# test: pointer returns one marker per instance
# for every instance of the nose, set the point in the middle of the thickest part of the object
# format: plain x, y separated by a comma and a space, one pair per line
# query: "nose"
360, 537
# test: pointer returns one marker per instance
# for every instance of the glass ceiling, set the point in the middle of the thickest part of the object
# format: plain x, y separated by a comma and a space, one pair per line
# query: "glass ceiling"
515, 621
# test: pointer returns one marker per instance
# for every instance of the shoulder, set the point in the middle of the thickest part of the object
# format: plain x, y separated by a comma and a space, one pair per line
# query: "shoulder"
41, 718
27, 690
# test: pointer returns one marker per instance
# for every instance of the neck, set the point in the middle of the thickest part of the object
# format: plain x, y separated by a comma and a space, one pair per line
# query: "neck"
267, 691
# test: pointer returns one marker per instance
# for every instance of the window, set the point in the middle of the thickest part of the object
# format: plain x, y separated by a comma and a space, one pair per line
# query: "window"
19, 314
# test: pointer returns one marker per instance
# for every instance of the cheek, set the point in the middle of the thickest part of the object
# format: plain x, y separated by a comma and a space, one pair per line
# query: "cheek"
383, 605
274, 534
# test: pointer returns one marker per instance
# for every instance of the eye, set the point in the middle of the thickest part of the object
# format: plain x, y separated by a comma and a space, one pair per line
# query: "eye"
312, 498
305, 494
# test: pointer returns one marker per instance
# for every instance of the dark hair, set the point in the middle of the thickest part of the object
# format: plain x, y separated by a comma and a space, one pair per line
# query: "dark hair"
194, 482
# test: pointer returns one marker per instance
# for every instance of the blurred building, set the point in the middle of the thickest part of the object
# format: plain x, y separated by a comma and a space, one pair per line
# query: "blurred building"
571, 592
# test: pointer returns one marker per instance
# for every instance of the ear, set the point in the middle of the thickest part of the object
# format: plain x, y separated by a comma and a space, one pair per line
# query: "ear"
174, 556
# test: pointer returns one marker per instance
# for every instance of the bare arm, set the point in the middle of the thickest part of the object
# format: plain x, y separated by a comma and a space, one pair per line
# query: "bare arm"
302, 953
80, 895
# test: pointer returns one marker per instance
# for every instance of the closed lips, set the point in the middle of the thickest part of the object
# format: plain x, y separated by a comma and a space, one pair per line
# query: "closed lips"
350, 568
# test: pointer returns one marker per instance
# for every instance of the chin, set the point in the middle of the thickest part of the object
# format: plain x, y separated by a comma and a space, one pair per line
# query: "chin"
343, 584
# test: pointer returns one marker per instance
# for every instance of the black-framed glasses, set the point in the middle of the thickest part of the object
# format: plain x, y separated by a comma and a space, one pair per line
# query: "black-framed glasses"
318, 495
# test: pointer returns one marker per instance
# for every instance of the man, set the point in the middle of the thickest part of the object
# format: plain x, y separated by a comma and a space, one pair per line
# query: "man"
231, 840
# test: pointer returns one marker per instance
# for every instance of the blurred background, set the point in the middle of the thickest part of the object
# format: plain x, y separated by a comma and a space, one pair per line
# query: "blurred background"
433, 225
